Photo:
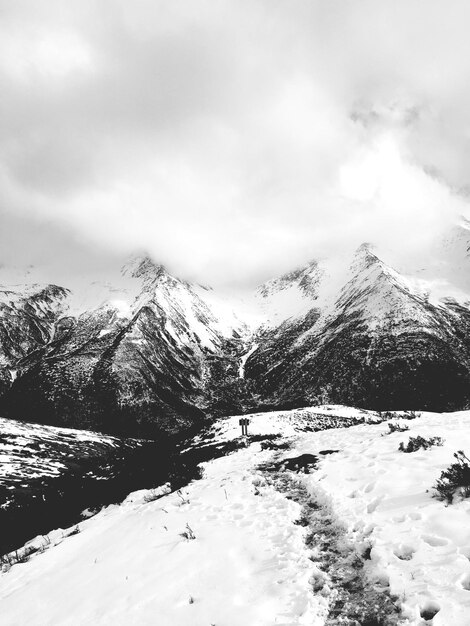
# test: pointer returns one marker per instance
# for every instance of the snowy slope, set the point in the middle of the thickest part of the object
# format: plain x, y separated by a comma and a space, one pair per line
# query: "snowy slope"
248, 562
420, 546
130, 564
291, 295
236, 546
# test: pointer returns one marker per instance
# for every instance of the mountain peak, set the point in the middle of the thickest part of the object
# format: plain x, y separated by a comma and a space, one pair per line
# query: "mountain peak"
365, 257
366, 250
142, 266
304, 278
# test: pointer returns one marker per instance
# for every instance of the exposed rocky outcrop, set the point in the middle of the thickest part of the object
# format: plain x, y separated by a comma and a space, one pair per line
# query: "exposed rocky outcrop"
27, 321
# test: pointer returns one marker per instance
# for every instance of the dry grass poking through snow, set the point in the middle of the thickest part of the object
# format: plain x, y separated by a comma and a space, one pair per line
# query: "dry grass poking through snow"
36, 546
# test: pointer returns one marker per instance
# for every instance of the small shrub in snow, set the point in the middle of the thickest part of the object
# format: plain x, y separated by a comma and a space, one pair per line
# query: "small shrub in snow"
17, 556
420, 443
397, 428
304, 519
411, 415
188, 534
455, 480
6, 562
386, 415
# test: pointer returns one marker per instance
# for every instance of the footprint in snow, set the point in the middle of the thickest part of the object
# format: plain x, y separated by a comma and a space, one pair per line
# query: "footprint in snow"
237, 505
435, 542
465, 551
429, 610
372, 506
368, 529
247, 522
368, 488
404, 552
464, 582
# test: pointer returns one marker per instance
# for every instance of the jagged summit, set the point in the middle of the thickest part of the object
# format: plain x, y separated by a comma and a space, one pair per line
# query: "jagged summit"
305, 277
142, 266
291, 295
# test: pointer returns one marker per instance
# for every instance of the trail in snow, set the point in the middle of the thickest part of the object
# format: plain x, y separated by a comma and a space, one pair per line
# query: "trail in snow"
130, 564
339, 571
420, 548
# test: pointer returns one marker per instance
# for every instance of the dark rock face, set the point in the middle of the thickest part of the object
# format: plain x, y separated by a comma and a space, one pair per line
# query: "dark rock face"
27, 319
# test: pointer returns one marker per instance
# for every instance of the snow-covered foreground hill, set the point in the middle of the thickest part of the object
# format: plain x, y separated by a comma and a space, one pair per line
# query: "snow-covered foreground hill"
255, 543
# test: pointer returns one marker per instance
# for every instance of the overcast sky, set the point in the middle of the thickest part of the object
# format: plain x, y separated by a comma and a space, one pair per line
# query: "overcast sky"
232, 140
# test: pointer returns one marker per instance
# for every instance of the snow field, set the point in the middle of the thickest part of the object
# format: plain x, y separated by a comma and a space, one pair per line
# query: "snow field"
248, 563
283, 423
130, 565
420, 546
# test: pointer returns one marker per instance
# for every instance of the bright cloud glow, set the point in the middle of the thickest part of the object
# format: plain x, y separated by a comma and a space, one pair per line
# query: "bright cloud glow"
231, 141
50, 55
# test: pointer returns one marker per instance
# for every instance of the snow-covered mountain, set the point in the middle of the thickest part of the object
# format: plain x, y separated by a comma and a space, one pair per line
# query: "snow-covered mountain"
147, 353
132, 359
366, 335
28, 314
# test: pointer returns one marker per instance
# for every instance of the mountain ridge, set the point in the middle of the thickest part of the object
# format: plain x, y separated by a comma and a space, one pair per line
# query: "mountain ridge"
154, 354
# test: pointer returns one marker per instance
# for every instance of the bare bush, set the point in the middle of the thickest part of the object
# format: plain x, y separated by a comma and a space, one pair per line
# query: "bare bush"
455, 480
188, 534
397, 428
420, 443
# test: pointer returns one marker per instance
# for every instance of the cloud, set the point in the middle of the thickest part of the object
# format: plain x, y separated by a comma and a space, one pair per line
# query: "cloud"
232, 140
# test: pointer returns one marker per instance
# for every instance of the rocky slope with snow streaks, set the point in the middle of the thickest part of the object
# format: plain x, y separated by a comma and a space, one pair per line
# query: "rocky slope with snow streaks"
377, 342
149, 354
